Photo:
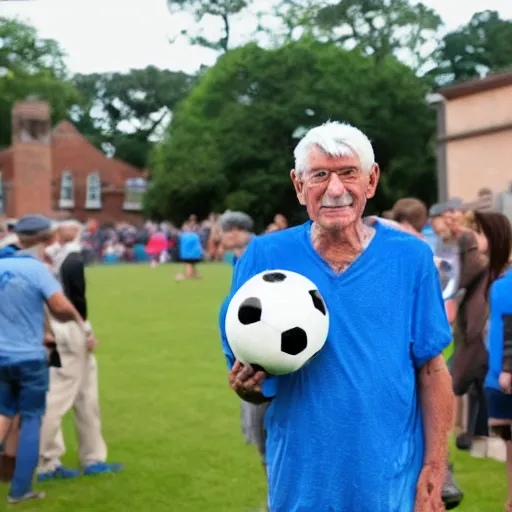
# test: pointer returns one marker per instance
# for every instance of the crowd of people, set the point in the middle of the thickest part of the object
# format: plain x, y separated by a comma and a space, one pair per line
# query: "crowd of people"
362, 427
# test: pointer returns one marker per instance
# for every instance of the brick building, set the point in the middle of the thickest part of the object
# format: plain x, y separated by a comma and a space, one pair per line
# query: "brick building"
59, 173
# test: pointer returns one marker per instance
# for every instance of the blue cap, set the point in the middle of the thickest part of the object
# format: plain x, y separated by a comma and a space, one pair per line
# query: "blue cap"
32, 225
436, 210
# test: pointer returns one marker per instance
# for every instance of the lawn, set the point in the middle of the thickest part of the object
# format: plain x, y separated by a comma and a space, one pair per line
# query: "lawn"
168, 414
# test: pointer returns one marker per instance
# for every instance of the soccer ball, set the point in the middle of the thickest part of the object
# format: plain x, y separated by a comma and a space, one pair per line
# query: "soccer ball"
277, 321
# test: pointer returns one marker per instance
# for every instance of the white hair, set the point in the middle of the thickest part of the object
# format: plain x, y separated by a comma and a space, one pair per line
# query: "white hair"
71, 223
334, 139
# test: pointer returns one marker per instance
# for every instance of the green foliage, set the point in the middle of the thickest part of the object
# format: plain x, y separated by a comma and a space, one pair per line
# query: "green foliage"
31, 66
481, 46
126, 112
204, 9
382, 28
231, 144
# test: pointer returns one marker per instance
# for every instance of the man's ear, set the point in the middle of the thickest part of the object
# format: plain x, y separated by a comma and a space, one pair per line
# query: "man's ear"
298, 184
373, 181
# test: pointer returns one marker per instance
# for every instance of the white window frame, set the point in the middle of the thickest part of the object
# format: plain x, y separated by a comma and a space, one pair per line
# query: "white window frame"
66, 181
2, 194
130, 184
91, 202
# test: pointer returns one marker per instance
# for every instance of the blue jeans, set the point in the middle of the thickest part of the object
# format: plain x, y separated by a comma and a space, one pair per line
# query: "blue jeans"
23, 388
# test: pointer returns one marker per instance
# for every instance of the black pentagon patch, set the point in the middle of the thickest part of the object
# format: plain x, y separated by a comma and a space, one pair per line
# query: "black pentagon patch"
274, 277
294, 341
249, 311
318, 301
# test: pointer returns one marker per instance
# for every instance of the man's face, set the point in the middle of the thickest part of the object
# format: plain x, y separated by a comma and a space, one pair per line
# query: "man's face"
453, 220
335, 189
438, 225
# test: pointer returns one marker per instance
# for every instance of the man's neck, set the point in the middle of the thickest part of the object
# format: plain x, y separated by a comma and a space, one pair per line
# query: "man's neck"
339, 248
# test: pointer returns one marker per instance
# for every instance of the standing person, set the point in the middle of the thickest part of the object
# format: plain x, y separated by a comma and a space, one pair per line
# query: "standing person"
364, 426
190, 251
26, 285
75, 384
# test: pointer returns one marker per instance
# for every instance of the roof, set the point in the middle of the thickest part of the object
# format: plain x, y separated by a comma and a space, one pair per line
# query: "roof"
71, 150
475, 86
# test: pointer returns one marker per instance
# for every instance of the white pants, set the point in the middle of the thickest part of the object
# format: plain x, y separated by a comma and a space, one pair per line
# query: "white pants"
75, 385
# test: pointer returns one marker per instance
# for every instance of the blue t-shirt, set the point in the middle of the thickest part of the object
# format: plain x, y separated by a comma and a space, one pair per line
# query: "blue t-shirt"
344, 433
500, 300
190, 246
25, 285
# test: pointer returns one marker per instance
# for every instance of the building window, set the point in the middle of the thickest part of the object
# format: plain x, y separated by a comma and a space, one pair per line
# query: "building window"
2, 196
93, 198
67, 196
134, 193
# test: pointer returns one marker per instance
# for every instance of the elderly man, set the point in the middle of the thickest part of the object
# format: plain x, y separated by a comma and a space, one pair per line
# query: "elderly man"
75, 384
364, 426
26, 286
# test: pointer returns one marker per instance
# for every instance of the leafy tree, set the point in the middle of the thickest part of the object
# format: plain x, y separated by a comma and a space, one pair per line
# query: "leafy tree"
30, 65
224, 10
231, 141
382, 28
481, 46
124, 113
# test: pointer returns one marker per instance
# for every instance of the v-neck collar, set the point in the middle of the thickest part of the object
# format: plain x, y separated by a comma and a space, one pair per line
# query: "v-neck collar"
360, 260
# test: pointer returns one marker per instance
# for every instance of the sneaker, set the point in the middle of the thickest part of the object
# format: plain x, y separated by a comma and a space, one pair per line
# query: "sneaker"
452, 495
26, 497
60, 473
102, 467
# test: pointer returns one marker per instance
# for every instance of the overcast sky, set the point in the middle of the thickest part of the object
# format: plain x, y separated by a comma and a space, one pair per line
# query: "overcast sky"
116, 35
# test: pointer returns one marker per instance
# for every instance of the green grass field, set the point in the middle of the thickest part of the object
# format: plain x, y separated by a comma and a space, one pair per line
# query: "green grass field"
168, 413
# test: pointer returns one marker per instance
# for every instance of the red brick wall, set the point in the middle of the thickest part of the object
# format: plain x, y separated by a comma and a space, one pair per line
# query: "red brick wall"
73, 152
32, 180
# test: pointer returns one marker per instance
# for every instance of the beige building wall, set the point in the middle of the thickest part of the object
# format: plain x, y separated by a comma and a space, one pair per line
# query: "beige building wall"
477, 140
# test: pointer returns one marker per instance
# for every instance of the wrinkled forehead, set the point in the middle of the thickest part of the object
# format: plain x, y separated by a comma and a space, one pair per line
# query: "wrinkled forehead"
318, 159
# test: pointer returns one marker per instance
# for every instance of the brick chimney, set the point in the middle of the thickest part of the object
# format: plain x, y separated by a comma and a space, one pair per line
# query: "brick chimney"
31, 158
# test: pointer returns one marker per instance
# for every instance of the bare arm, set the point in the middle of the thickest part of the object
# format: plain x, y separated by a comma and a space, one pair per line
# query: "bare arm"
63, 310
437, 401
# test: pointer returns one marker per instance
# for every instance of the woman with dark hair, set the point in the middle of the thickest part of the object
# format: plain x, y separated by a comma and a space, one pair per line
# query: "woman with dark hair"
498, 383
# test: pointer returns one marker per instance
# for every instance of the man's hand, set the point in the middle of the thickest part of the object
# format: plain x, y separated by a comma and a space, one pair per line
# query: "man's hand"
246, 382
429, 488
92, 343
505, 381
49, 339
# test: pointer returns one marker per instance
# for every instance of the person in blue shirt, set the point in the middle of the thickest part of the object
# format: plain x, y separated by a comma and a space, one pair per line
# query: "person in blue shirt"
498, 382
364, 426
190, 252
26, 285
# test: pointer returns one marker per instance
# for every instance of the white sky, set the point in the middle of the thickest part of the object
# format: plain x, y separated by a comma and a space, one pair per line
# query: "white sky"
116, 35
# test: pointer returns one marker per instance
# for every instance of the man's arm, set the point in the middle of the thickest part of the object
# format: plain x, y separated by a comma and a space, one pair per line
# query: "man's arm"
436, 399
52, 293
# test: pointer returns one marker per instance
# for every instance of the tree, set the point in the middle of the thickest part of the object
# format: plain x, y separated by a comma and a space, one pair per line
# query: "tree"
481, 46
382, 28
30, 65
124, 113
223, 10
231, 140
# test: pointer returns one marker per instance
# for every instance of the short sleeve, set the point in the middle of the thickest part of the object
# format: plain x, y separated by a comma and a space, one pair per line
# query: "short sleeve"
431, 332
48, 285
246, 267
